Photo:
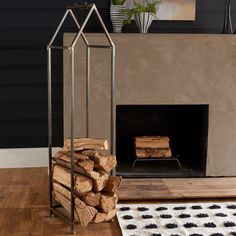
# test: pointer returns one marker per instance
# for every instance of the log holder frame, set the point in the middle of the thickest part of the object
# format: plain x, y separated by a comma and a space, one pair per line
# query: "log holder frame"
70, 12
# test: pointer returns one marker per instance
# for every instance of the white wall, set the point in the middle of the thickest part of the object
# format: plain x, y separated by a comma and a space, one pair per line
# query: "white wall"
24, 157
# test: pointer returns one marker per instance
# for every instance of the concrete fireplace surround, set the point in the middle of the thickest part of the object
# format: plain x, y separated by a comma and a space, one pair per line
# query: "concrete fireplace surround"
162, 69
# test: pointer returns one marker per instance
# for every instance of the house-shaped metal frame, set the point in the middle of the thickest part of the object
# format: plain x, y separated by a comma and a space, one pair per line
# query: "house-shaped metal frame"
70, 12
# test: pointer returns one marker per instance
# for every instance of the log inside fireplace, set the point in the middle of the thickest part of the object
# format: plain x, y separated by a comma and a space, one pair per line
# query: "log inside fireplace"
152, 147
186, 128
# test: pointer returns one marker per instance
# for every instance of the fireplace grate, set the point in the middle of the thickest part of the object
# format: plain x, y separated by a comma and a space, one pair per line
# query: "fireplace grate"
157, 160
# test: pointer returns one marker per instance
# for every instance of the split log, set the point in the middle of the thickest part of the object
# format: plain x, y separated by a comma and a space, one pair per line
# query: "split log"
86, 143
78, 169
111, 214
65, 155
99, 179
112, 185
63, 176
66, 193
107, 203
99, 217
91, 198
100, 182
87, 165
83, 213
95, 191
79, 159
102, 161
65, 202
155, 153
152, 142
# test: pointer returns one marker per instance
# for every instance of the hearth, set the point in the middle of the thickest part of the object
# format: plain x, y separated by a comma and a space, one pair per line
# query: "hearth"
185, 125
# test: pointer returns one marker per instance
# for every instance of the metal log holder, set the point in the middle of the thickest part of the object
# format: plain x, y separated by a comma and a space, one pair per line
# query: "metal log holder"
54, 209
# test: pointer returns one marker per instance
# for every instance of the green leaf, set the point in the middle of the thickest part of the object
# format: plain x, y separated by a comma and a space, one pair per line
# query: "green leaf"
117, 2
150, 6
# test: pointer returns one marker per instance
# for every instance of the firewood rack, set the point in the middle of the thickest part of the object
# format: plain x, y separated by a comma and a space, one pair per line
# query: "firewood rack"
70, 12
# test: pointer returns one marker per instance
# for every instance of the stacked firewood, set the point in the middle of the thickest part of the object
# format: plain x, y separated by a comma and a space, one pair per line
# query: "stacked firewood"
95, 190
152, 147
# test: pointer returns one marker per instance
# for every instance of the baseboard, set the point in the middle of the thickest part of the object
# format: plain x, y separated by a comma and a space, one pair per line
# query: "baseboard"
24, 157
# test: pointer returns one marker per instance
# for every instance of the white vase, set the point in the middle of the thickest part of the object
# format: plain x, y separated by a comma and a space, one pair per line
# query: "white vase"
117, 17
143, 21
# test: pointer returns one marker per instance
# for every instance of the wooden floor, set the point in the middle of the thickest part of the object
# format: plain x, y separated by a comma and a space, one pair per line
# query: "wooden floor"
24, 207
153, 189
24, 203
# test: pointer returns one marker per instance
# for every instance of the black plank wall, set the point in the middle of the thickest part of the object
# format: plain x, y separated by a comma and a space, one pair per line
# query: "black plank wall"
26, 27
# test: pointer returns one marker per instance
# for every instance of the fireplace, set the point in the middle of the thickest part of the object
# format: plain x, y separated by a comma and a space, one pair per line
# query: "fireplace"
175, 69
185, 125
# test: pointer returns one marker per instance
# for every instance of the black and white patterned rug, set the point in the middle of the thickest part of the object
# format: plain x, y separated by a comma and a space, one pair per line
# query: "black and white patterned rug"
190, 219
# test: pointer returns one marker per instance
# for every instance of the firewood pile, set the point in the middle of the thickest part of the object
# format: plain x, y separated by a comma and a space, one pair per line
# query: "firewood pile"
152, 147
95, 190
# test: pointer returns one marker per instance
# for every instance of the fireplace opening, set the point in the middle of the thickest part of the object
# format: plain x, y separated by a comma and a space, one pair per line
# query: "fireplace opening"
186, 127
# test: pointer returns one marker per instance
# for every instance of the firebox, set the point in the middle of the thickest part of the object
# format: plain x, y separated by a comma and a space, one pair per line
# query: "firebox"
186, 127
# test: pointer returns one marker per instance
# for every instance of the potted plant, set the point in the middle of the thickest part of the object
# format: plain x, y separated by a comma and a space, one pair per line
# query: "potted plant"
144, 12
117, 14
